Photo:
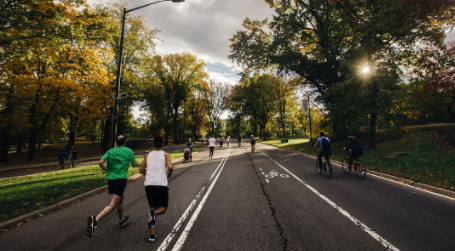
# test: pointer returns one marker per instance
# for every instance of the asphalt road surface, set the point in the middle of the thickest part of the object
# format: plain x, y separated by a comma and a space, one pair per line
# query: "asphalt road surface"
270, 200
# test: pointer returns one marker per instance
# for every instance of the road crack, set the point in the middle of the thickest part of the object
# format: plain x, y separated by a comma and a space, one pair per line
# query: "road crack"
284, 240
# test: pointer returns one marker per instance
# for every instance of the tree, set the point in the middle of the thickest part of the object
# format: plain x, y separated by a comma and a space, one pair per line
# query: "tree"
218, 98
179, 74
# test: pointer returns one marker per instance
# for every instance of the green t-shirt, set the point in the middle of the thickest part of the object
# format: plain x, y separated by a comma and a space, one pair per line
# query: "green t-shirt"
119, 161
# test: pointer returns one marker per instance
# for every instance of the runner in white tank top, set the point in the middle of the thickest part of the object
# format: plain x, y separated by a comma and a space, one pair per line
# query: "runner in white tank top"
156, 182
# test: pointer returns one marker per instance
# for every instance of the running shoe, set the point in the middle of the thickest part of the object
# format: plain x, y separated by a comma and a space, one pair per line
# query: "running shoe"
124, 221
153, 237
91, 221
152, 217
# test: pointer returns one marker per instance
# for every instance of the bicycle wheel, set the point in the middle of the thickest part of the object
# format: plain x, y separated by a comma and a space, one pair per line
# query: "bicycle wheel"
361, 170
345, 166
328, 169
319, 170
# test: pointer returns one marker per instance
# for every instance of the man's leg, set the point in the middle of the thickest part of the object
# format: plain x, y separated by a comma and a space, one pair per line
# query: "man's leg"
158, 211
320, 159
120, 208
112, 206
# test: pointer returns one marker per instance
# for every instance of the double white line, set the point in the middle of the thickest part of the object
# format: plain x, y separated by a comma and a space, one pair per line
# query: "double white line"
179, 244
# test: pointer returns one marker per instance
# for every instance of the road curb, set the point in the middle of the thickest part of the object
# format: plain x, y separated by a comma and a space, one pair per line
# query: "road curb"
426, 187
5, 226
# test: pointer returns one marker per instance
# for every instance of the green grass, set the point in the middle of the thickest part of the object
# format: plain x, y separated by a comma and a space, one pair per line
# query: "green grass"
24, 194
430, 159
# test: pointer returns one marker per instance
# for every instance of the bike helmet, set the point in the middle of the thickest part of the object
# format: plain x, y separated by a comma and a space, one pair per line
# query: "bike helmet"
351, 137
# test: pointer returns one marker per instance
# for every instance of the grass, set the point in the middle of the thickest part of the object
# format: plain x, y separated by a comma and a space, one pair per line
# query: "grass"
24, 194
430, 159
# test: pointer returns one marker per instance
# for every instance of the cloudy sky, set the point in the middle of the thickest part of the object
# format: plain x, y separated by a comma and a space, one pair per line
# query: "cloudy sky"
200, 27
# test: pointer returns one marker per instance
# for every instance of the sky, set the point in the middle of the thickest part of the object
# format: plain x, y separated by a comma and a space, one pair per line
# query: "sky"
200, 27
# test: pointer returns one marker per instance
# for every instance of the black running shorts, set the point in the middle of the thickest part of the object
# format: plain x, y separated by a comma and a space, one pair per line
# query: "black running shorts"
253, 143
117, 186
157, 196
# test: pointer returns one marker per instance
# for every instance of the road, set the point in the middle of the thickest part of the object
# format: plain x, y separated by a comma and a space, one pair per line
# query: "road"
231, 202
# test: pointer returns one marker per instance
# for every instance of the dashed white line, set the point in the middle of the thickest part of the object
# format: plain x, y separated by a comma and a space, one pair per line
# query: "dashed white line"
179, 223
365, 228
267, 180
179, 244
263, 173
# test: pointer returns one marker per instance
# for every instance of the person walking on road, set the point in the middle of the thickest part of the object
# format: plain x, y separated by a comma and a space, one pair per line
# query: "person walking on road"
228, 139
212, 145
324, 143
62, 157
154, 168
253, 142
189, 145
73, 155
119, 160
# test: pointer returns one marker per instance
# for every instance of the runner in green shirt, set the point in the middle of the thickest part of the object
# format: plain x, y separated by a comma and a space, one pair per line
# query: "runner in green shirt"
119, 160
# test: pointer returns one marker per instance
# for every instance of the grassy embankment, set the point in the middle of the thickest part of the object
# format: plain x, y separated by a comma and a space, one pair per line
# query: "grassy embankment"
430, 160
25, 194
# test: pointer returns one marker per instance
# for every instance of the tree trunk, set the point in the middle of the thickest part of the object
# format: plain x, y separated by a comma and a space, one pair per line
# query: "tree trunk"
19, 145
32, 143
106, 134
73, 126
373, 117
5, 143
175, 117
102, 133
449, 108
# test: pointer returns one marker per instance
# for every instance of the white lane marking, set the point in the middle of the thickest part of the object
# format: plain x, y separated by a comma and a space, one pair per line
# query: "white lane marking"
179, 223
364, 227
179, 244
284, 176
260, 169
269, 176
263, 173
267, 180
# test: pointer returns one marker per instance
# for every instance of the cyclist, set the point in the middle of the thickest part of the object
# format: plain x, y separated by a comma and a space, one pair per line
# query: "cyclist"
324, 143
212, 142
189, 145
356, 149
253, 142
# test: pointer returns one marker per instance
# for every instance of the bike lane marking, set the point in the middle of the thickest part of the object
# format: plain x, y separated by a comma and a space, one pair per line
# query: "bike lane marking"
364, 227
187, 212
179, 244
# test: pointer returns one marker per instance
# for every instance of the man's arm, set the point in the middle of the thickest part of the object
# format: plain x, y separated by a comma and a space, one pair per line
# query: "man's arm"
315, 145
143, 164
169, 164
101, 164
133, 160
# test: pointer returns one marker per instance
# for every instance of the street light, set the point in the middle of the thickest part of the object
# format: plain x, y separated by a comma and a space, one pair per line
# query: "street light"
119, 70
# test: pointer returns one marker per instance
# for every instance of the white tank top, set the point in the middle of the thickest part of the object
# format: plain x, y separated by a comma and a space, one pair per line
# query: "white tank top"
156, 169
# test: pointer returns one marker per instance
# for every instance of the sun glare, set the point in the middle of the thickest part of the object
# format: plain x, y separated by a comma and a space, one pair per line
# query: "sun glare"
366, 69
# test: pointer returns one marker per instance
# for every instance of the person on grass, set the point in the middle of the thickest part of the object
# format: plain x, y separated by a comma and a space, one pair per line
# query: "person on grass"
62, 157
119, 160
154, 168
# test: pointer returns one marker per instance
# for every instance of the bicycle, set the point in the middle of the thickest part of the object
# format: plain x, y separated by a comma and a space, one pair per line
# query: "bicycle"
327, 167
359, 166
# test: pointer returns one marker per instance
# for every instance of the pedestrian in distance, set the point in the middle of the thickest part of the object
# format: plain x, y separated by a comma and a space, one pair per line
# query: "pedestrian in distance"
62, 157
147, 143
73, 155
119, 160
154, 168
228, 139
189, 145
324, 144
212, 142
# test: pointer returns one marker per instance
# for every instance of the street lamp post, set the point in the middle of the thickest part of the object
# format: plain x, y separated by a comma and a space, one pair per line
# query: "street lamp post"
119, 69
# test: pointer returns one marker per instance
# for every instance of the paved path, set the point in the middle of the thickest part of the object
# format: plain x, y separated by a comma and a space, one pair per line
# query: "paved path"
241, 207
81, 162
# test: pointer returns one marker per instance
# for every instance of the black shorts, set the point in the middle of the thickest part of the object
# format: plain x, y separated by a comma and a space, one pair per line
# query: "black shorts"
117, 186
253, 143
157, 196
